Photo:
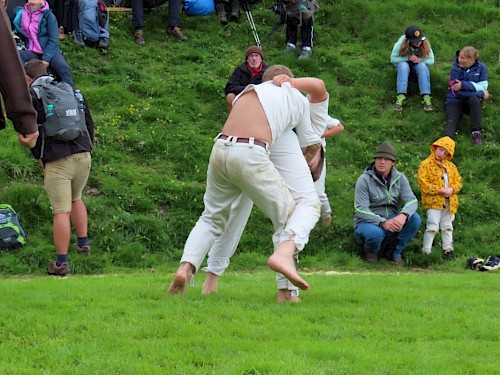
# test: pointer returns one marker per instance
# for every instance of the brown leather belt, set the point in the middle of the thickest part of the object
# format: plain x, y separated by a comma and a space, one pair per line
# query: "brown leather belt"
244, 140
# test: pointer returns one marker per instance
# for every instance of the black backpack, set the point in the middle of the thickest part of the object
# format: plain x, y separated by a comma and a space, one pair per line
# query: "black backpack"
64, 112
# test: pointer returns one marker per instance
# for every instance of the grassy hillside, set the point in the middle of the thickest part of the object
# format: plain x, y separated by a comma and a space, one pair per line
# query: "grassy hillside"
158, 108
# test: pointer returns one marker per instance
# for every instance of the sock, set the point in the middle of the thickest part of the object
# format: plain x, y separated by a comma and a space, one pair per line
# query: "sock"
61, 258
83, 241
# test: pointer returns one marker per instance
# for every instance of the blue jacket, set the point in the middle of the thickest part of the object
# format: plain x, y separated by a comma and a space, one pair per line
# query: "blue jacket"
48, 34
474, 81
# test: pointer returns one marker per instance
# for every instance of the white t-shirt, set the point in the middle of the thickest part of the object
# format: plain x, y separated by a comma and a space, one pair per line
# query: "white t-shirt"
285, 108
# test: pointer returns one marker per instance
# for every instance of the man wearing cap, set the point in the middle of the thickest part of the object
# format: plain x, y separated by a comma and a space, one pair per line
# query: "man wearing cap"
380, 191
248, 72
412, 54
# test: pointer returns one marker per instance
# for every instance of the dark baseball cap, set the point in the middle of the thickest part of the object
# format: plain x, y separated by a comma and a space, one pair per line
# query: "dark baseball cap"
414, 34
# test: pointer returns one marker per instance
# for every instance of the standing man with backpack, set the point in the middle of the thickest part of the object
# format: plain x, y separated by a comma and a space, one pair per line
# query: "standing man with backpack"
65, 158
300, 13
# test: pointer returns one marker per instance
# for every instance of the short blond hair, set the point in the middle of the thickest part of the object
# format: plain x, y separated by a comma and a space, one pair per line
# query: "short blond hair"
276, 70
470, 52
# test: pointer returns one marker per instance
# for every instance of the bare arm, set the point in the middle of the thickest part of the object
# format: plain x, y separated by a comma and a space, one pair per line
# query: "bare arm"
336, 130
315, 87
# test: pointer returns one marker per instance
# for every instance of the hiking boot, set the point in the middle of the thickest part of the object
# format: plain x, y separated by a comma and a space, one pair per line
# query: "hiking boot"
61, 270
221, 12
176, 32
427, 102
290, 47
400, 102
476, 138
448, 255
306, 53
235, 11
139, 37
78, 39
371, 257
103, 43
84, 250
398, 261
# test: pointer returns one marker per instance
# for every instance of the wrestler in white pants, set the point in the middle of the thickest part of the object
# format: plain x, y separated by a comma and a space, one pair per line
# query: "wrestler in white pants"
326, 210
236, 168
287, 157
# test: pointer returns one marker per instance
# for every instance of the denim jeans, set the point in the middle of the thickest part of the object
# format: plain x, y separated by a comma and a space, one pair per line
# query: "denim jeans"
372, 235
421, 70
58, 64
174, 13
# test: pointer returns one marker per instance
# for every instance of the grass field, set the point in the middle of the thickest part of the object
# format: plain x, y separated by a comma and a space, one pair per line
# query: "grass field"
348, 323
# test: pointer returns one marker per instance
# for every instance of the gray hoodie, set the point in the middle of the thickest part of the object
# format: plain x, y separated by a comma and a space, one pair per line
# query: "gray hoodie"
374, 202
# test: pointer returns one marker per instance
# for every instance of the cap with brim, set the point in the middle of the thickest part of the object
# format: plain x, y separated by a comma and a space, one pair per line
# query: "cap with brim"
386, 151
414, 34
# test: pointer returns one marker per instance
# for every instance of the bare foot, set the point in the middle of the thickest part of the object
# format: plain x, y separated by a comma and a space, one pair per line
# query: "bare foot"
285, 264
181, 279
285, 295
210, 284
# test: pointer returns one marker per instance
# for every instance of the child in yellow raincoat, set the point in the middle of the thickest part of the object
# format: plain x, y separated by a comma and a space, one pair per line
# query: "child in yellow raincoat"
439, 182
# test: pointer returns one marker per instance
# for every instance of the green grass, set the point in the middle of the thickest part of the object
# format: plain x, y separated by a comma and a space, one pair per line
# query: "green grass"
348, 323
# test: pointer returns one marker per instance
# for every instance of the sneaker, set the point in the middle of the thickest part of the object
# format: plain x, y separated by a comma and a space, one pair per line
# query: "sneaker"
139, 37
427, 102
398, 261
61, 270
77, 38
290, 47
476, 138
448, 255
371, 257
305, 54
84, 250
176, 32
103, 43
400, 102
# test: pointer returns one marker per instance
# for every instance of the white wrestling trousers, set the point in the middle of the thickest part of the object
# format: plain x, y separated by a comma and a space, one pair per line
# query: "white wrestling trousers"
326, 210
235, 168
287, 157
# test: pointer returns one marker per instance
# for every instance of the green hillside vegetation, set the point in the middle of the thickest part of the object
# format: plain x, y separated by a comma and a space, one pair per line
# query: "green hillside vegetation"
158, 108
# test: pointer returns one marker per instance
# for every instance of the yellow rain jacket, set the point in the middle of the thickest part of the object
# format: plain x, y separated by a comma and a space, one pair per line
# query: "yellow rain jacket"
430, 178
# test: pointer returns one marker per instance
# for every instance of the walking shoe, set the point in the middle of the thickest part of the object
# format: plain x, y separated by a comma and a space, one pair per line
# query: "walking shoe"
398, 261
103, 43
476, 138
61, 270
176, 32
290, 47
400, 102
427, 102
139, 37
448, 255
371, 257
77, 38
306, 53
84, 250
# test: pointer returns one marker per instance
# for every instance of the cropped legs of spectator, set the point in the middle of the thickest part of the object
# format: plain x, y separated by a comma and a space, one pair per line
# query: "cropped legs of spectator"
306, 36
228, 6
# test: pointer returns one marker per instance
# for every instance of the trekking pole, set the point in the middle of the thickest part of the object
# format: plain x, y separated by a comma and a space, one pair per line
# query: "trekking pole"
246, 8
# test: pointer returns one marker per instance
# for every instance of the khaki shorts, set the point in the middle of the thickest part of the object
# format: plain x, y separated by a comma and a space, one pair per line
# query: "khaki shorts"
65, 179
